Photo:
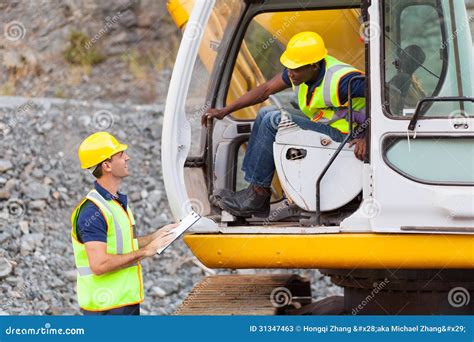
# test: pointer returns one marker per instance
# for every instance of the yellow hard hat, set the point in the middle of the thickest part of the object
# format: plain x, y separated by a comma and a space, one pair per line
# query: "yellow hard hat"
98, 147
303, 48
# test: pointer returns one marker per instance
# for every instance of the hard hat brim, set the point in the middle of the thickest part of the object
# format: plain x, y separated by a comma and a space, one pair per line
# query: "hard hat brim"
120, 148
290, 64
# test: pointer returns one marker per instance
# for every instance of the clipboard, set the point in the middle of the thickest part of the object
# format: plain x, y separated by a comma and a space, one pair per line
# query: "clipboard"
184, 225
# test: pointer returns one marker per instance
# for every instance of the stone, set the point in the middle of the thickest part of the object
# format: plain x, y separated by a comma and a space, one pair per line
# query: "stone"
135, 197
70, 275
42, 306
157, 291
37, 173
47, 126
24, 227
35, 190
29, 242
128, 19
4, 237
4, 194
56, 282
5, 165
5, 267
12, 281
10, 185
39, 205
155, 197
169, 285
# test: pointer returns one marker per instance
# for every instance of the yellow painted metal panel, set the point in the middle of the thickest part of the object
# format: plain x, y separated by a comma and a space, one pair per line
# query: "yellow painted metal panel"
340, 29
333, 250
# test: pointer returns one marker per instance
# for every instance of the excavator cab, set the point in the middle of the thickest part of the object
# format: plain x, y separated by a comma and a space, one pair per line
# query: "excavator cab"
408, 206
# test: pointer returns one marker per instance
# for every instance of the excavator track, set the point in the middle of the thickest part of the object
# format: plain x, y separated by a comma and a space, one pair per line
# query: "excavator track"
267, 294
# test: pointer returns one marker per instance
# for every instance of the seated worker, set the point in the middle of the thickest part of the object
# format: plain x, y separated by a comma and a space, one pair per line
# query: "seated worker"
321, 84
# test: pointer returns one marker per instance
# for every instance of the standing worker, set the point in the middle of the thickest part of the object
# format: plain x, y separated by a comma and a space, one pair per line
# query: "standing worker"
320, 82
106, 252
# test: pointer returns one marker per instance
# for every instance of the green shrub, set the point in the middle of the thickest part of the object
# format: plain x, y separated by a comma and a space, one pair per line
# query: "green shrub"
81, 51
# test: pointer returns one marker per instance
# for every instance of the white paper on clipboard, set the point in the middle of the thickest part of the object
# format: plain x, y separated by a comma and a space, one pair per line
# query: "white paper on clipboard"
184, 225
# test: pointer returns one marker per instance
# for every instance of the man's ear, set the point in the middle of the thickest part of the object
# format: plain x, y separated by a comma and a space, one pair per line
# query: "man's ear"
106, 166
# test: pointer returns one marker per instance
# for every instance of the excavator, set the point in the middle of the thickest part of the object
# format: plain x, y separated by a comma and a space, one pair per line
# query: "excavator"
395, 230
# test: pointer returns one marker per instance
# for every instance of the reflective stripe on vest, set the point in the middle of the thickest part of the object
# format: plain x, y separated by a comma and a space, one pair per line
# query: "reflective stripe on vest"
85, 271
113, 289
324, 106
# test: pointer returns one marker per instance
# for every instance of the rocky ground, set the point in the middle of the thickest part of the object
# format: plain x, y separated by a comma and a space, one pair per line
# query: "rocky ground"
41, 182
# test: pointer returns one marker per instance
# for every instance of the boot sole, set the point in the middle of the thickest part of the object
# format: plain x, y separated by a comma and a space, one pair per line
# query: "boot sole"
248, 214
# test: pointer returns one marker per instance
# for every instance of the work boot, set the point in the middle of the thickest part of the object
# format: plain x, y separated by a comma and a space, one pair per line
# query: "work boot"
218, 194
221, 193
248, 202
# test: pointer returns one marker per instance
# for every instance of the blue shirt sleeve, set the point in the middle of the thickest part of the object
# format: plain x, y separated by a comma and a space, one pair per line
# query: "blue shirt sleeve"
91, 225
286, 78
358, 87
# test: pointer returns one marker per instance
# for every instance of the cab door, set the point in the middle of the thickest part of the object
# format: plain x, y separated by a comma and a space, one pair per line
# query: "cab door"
208, 27
422, 148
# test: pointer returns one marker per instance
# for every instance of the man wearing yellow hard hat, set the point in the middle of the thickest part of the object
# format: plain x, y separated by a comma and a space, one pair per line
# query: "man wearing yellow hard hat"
107, 252
320, 82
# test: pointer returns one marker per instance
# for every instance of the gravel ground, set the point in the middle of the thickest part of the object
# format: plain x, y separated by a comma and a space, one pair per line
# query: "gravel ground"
41, 182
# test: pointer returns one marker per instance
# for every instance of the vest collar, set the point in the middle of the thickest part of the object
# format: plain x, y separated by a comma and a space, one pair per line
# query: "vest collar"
108, 196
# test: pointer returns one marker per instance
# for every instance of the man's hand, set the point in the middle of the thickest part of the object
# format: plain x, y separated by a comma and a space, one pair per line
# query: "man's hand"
164, 230
143, 241
360, 148
213, 113
158, 243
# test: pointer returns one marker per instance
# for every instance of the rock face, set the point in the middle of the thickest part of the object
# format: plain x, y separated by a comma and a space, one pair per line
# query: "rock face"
109, 50
37, 273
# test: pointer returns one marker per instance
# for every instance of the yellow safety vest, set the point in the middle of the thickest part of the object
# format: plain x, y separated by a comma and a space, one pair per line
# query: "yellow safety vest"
324, 106
114, 289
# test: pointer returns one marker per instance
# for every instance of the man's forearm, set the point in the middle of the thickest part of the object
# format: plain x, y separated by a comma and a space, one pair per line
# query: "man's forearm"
254, 96
114, 262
